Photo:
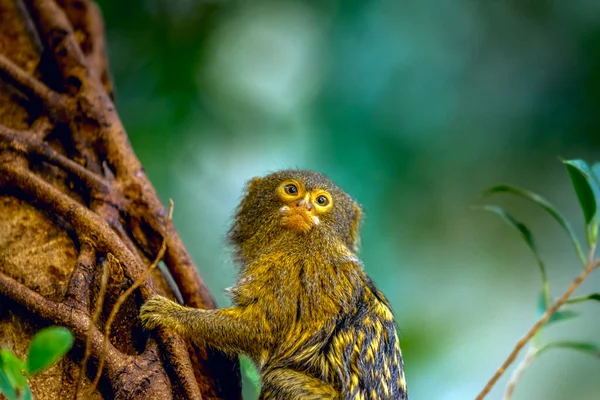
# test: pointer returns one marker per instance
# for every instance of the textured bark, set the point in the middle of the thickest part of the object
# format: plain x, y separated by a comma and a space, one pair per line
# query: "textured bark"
73, 197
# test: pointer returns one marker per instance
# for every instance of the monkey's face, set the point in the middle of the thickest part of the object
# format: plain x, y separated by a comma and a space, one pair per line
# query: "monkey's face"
302, 209
302, 205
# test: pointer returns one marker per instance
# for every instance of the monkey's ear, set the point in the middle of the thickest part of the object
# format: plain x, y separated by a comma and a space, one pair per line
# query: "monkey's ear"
356, 219
237, 232
252, 184
250, 187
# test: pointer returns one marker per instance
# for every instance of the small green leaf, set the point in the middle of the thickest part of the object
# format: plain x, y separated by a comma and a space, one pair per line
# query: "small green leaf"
47, 347
543, 304
593, 296
587, 188
596, 171
527, 236
6, 388
588, 348
26, 393
13, 368
250, 372
523, 230
562, 316
547, 206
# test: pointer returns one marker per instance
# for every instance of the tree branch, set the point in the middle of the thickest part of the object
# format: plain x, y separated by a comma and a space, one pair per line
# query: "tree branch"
31, 87
589, 268
58, 34
138, 283
26, 142
86, 18
124, 216
85, 222
78, 293
518, 372
61, 314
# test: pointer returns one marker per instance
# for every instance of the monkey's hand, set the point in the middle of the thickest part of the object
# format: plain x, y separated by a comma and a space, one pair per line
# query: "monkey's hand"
160, 311
231, 330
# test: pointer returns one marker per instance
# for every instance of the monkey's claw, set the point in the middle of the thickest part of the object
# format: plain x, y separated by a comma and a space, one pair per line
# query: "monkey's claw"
155, 312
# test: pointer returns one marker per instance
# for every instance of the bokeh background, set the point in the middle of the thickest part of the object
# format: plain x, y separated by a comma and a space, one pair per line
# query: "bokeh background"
414, 108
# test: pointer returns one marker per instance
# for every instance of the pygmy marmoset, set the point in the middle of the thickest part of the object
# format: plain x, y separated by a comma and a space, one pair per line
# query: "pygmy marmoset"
304, 310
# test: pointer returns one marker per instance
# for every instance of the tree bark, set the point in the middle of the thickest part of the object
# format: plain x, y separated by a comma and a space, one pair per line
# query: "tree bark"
74, 201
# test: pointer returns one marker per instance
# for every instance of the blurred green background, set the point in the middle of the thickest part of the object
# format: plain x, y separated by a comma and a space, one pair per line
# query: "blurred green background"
413, 108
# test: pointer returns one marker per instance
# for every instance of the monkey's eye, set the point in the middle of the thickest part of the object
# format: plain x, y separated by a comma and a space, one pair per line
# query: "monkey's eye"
291, 189
322, 200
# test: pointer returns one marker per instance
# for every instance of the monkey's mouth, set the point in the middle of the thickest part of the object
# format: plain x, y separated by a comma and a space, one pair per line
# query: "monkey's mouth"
298, 218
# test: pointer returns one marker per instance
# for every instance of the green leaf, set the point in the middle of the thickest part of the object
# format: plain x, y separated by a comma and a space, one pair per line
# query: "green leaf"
13, 367
593, 296
586, 187
542, 304
6, 388
528, 237
560, 315
547, 206
250, 372
584, 347
26, 393
47, 347
596, 171
588, 192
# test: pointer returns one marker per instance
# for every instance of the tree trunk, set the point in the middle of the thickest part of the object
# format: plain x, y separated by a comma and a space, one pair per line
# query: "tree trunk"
75, 202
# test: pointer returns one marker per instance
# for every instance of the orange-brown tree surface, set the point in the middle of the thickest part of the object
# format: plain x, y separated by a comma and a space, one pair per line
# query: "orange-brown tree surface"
80, 222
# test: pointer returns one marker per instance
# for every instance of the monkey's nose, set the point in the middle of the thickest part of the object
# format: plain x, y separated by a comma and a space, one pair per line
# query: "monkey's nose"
305, 202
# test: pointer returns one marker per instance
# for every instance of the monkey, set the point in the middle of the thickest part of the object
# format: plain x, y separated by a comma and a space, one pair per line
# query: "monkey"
304, 310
